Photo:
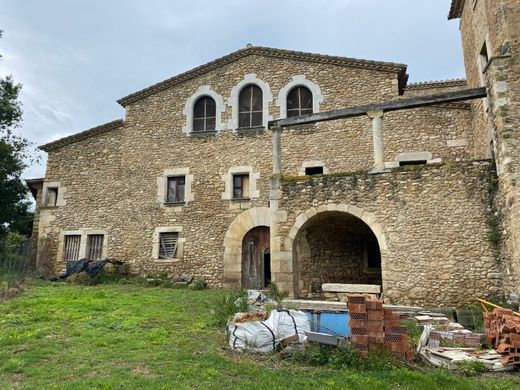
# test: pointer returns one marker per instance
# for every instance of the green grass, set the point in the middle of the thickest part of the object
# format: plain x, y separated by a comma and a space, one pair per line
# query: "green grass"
66, 336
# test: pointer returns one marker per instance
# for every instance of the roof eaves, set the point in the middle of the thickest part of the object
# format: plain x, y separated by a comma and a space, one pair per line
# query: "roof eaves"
34, 185
456, 9
437, 84
82, 135
266, 51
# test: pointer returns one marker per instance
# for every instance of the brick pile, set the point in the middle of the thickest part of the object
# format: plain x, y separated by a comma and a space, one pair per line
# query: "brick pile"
503, 332
374, 329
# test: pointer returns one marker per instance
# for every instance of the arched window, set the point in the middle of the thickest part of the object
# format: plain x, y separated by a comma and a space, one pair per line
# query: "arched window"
299, 101
250, 107
204, 114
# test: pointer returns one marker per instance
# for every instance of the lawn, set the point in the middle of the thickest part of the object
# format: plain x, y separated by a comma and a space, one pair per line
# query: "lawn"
61, 335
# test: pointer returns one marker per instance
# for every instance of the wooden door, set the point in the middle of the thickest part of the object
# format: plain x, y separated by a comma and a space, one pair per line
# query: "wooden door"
256, 267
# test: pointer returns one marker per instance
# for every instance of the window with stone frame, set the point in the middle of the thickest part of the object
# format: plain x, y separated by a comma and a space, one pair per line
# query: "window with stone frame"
51, 196
72, 245
168, 245
250, 107
176, 186
299, 101
241, 186
95, 247
204, 114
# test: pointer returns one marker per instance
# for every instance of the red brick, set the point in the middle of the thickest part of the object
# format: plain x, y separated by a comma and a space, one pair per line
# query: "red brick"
359, 339
375, 326
357, 308
358, 323
375, 315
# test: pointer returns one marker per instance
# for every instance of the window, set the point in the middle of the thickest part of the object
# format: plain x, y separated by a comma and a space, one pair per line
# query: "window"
72, 243
309, 171
176, 188
299, 101
51, 196
94, 247
241, 186
250, 108
484, 56
168, 245
204, 114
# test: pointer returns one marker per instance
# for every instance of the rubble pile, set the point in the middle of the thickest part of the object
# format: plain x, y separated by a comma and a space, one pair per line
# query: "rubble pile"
503, 333
374, 328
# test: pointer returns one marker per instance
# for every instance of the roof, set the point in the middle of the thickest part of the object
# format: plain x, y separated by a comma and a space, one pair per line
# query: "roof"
456, 9
437, 84
82, 135
34, 185
269, 52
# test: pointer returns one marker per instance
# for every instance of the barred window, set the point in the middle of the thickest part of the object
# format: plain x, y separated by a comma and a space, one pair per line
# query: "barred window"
95, 247
299, 101
204, 114
176, 188
250, 108
168, 245
72, 243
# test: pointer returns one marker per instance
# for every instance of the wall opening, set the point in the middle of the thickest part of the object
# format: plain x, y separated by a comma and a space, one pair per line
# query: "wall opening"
336, 247
256, 258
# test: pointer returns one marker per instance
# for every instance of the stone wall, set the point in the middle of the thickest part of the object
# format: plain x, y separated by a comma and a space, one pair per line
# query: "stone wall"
110, 180
431, 223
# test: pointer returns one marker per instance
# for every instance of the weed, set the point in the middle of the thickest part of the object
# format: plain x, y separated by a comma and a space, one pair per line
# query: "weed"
277, 295
471, 367
198, 284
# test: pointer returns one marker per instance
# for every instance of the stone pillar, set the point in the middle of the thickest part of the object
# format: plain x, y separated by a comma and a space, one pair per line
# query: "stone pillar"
277, 150
377, 135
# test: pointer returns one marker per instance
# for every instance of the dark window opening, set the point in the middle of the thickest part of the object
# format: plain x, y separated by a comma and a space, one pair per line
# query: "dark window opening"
250, 107
309, 171
72, 243
52, 196
204, 114
176, 188
484, 56
168, 245
267, 268
373, 254
416, 162
95, 247
241, 186
299, 102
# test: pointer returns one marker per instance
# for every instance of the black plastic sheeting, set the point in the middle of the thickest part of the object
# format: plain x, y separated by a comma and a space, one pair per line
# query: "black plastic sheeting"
90, 267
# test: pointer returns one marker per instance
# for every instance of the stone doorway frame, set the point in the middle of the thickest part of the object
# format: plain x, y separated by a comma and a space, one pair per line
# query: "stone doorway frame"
286, 260
243, 223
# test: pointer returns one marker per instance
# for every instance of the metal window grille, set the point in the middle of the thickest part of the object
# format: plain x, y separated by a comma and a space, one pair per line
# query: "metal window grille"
72, 244
204, 114
176, 188
250, 110
95, 247
168, 245
299, 101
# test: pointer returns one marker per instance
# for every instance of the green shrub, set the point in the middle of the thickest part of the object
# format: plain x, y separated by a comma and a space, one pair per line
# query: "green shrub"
198, 284
471, 367
277, 295
226, 307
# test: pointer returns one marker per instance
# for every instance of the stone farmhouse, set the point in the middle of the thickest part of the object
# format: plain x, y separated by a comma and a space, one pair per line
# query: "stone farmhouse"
275, 165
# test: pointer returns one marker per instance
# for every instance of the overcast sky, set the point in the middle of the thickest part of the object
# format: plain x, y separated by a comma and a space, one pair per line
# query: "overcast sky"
75, 58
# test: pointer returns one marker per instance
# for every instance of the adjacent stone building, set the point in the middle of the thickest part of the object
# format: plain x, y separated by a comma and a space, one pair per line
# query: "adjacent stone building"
422, 201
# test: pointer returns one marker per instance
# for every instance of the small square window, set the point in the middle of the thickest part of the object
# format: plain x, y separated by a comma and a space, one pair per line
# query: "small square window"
309, 171
176, 189
168, 245
241, 186
51, 196
95, 246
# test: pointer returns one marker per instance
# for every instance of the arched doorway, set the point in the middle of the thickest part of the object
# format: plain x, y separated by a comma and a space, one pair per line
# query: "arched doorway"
256, 258
335, 247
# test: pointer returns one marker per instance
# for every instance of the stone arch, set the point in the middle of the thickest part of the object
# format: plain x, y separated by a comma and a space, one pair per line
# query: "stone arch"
308, 217
299, 80
243, 223
204, 90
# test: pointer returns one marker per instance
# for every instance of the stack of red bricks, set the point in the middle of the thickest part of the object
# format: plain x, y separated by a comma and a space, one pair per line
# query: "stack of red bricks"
374, 329
503, 332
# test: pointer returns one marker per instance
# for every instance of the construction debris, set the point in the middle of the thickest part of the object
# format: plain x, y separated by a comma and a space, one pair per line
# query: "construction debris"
374, 328
503, 333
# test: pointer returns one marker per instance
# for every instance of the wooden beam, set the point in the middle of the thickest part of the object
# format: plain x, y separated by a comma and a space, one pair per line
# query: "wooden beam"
392, 105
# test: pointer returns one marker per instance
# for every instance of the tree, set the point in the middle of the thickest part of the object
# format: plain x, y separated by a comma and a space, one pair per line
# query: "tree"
14, 151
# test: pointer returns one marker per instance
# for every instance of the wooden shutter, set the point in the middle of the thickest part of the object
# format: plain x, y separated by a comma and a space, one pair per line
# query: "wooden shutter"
72, 243
95, 247
168, 245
